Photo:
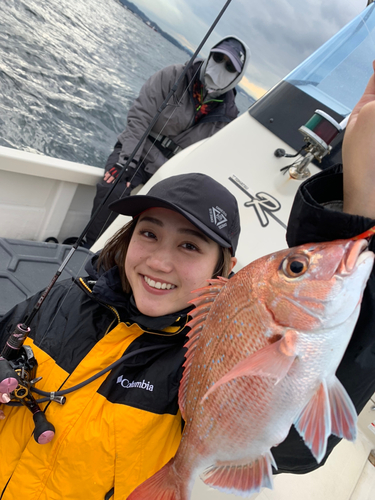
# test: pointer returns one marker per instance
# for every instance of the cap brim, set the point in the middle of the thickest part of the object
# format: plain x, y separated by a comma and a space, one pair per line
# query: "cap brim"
236, 63
135, 205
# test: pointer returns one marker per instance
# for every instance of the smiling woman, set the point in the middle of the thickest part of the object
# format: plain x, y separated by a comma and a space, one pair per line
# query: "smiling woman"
173, 251
167, 259
179, 238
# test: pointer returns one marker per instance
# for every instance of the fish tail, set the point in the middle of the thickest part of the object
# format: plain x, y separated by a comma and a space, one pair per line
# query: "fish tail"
165, 484
243, 480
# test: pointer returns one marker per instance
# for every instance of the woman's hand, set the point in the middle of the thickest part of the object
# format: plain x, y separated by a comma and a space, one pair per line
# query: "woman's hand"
4, 398
359, 156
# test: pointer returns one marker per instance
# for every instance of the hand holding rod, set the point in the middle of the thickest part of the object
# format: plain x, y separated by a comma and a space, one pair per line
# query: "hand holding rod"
8, 377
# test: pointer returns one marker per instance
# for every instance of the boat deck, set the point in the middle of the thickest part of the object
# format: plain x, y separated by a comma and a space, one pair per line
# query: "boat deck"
27, 267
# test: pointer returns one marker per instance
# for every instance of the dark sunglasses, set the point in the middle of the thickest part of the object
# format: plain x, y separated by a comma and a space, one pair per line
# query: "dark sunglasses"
219, 58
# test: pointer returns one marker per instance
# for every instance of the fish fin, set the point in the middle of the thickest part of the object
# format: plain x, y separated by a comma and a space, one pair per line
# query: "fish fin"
343, 412
214, 288
241, 479
191, 346
163, 485
204, 301
272, 361
314, 422
207, 293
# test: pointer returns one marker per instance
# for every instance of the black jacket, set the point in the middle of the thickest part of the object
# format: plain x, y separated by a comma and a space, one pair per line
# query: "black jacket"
311, 221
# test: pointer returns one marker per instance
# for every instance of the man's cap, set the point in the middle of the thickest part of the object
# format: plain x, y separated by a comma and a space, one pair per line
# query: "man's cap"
234, 50
203, 201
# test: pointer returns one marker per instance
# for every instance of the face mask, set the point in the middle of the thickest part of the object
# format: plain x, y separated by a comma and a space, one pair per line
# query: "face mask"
217, 77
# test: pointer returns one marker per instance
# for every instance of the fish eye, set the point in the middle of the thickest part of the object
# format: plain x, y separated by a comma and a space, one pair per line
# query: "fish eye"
295, 265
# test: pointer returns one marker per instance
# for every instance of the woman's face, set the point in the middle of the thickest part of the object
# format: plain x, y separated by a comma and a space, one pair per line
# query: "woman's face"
167, 258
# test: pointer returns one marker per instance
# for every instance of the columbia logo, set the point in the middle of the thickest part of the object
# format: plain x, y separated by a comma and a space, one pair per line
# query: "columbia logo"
126, 384
218, 217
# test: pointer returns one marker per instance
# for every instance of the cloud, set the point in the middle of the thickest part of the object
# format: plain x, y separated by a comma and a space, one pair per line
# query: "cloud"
280, 33
251, 88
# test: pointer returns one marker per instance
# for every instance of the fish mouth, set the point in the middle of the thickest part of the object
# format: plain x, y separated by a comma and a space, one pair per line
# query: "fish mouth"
355, 254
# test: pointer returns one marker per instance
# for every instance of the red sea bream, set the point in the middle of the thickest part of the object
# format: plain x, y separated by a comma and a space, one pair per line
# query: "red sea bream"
262, 356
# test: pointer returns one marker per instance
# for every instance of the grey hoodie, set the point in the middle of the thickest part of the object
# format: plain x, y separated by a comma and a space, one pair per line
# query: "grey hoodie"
240, 75
177, 119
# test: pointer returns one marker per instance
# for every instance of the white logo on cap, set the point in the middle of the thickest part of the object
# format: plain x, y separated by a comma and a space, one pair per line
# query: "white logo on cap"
218, 217
242, 56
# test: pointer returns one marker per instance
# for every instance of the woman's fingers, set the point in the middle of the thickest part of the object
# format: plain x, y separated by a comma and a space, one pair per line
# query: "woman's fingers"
4, 398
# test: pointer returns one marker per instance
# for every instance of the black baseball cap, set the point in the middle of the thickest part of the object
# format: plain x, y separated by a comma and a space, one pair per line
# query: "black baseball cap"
203, 201
234, 50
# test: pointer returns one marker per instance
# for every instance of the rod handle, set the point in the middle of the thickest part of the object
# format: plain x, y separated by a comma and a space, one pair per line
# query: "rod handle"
44, 431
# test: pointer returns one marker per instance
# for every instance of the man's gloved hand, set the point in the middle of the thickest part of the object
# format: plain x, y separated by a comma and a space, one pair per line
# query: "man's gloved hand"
111, 175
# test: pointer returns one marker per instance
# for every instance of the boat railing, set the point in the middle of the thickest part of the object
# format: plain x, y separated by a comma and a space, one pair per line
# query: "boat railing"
43, 197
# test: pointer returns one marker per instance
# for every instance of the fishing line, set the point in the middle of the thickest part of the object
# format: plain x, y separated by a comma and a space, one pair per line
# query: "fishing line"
51, 395
88, 257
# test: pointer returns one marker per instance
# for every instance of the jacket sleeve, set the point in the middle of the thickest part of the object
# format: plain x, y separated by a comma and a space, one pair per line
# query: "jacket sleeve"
311, 220
144, 108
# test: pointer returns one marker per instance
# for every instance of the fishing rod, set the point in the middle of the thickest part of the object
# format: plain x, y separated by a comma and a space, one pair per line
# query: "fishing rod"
28, 321
17, 362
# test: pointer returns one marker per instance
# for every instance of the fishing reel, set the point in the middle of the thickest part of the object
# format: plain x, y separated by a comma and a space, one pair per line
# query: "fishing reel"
18, 368
318, 133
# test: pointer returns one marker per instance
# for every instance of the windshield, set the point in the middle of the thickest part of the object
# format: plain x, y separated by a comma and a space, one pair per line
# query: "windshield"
337, 73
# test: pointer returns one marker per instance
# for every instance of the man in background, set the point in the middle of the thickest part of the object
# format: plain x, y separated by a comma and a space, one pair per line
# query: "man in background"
202, 105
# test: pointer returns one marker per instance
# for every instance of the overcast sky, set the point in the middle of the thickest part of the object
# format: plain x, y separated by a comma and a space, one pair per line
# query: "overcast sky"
280, 33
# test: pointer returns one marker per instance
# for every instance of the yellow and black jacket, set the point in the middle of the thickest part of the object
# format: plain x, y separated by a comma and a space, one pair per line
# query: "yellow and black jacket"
114, 432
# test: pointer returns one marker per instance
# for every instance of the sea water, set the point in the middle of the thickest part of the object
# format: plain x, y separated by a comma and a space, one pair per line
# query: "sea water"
70, 70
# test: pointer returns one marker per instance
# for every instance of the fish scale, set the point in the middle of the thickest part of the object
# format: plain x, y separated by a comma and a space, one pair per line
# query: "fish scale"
262, 355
